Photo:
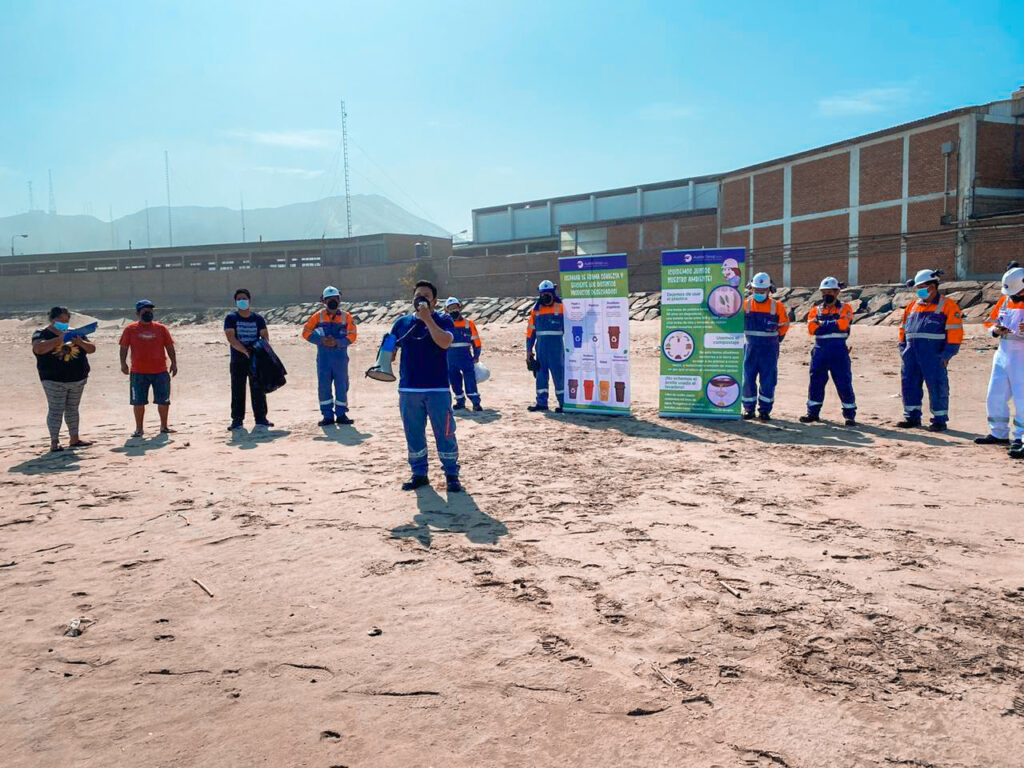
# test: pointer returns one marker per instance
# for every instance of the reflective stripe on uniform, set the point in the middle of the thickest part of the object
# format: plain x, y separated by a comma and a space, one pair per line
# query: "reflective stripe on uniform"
814, 402
761, 333
940, 413
935, 336
342, 403
833, 336
417, 454
849, 405
458, 344
542, 391
327, 402
549, 333
443, 456
764, 399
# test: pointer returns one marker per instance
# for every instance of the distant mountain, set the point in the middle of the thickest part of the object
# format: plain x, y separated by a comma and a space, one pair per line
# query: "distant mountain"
192, 225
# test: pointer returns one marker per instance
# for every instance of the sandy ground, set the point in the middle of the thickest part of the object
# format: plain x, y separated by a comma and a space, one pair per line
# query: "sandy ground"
575, 607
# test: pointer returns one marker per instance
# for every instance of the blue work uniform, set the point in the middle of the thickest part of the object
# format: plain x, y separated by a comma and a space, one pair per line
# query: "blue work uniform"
544, 334
423, 393
930, 334
331, 362
829, 325
462, 355
765, 324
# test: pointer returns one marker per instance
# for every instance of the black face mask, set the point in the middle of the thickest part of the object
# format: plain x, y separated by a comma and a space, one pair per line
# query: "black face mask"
332, 304
455, 314
547, 299
829, 299
147, 317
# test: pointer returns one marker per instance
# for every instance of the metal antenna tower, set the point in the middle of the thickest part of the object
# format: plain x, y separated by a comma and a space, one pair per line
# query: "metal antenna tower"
167, 181
344, 146
53, 201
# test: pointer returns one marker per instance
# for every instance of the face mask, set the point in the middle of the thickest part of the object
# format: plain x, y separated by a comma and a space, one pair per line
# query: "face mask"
416, 302
829, 299
547, 299
455, 314
60, 326
332, 304
922, 293
242, 303
147, 317
760, 296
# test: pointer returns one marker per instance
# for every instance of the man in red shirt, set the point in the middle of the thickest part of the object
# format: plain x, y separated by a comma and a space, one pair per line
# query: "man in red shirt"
150, 344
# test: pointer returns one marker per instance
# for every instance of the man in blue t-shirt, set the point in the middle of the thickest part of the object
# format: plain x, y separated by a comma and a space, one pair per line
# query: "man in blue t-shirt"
243, 328
423, 393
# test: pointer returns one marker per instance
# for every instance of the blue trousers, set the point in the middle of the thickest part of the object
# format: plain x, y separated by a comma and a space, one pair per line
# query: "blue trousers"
459, 371
760, 375
551, 358
416, 408
832, 360
332, 381
922, 365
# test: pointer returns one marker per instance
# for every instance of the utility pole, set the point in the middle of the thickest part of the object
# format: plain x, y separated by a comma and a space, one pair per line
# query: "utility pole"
167, 181
53, 202
241, 201
344, 146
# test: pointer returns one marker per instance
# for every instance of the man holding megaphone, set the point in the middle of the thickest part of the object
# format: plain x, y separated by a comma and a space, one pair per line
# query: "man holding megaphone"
424, 337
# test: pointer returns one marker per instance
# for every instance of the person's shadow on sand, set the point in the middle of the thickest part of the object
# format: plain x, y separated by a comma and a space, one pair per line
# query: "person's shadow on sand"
459, 514
246, 440
344, 434
48, 463
140, 446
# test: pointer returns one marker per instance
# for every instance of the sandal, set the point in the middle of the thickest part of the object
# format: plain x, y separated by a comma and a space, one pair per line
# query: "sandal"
57, 449
137, 433
80, 444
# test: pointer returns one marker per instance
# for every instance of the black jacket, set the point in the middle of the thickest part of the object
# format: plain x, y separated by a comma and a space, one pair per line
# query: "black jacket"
267, 369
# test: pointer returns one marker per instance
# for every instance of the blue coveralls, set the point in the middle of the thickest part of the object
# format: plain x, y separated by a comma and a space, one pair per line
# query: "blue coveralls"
331, 364
763, 328
830, 356
929, 337
462, 354
544, 333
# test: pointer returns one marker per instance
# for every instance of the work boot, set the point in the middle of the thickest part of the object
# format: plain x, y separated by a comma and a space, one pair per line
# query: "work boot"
326, 421
762, 416
453, 485
909, 424
477, 407
1016, 450
992, 440
344, 419
414, 482
748, 415
851, 422
535, 408
459, 405
809, 419
937, 426
559, 409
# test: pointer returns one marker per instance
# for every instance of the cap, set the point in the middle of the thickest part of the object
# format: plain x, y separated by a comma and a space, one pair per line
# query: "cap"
329, 291
451, 302
140, 305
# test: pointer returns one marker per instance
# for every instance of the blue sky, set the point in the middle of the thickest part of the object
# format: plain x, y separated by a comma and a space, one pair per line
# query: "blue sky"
456, 105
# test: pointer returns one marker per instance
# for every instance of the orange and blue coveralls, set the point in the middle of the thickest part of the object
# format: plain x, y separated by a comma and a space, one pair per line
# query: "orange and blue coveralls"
331, 362
829, 324
462, 354
930, 334
544, 332
765, 324
1007, 380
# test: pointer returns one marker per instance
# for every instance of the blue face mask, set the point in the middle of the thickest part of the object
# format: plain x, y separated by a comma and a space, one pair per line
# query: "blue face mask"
242, 303
922, 293
61, 326
760, 297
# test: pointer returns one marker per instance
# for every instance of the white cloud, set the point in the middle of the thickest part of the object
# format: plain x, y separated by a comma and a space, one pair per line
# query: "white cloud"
298, 173
664, 110
315, 138
864, 102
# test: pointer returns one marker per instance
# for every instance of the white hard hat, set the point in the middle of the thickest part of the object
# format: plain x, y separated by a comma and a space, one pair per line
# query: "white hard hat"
925, 276
1013, 281
545, 285
761, 280
329, 291
451, 302
829, 284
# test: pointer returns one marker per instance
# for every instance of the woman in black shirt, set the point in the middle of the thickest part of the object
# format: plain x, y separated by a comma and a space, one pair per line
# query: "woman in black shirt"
63, 368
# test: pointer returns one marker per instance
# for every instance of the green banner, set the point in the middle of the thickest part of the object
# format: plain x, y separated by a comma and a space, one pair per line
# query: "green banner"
702, 333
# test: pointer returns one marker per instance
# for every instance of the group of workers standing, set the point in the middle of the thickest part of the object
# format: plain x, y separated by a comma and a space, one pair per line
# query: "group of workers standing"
441, 354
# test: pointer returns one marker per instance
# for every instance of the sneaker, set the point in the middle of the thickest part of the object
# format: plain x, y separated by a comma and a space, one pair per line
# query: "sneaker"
325, 422
535, 408
1016, 450
234, 425
477, 407
265, 423
764, 416
909, 424
344, 419
808, 419
937, 426
460, 405
850, 422
453, 485
748, 415
414, 482
992, 440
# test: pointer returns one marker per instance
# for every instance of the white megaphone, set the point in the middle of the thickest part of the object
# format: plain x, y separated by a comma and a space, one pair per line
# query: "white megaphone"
382, 370
482, 374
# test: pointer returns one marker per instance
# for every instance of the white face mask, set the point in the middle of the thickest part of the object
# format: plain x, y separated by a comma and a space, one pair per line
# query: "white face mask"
242, 303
